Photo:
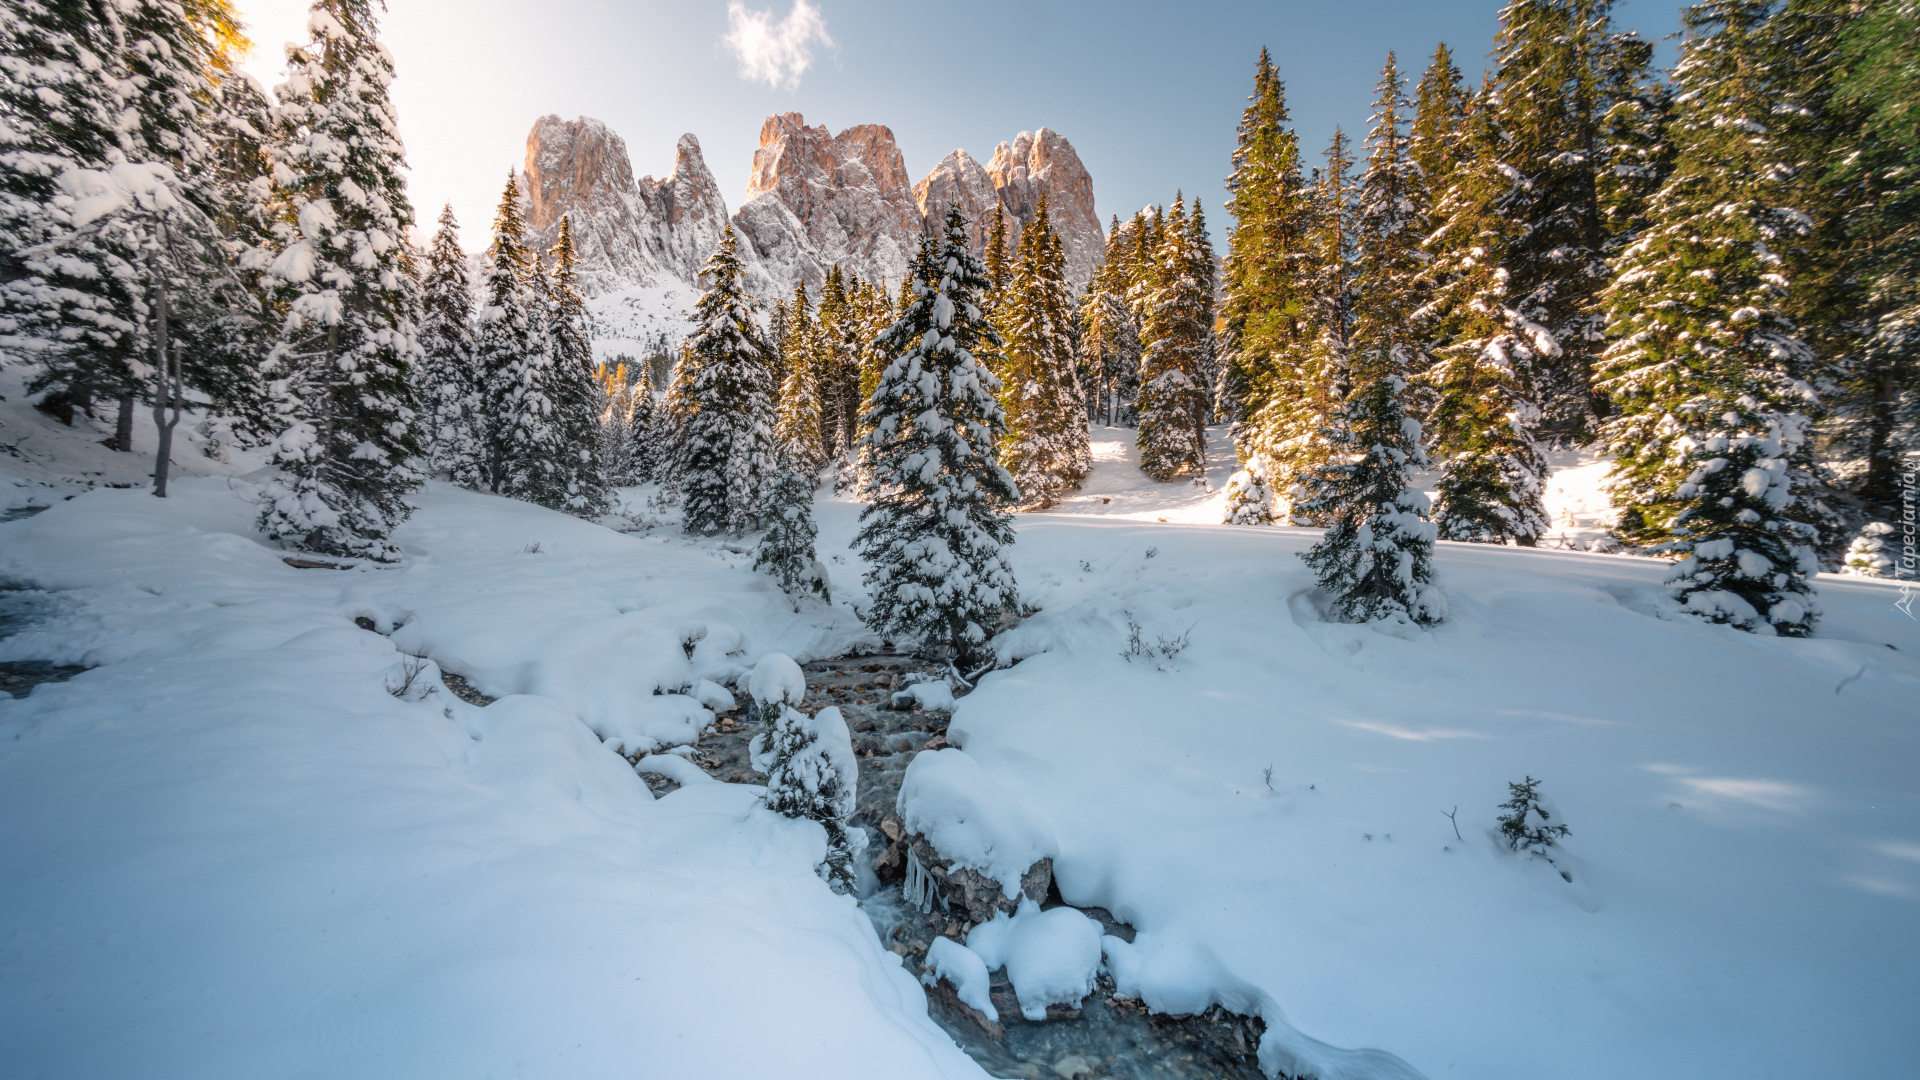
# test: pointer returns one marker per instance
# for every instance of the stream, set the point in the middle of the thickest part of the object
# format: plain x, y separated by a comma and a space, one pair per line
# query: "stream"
1106, 1037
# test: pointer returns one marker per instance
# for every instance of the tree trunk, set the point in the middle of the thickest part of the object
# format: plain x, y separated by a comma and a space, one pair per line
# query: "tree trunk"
123, 427
167, 388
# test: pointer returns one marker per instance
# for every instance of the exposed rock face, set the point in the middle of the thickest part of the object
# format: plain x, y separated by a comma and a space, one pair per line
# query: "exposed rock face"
969, 893
960, 180
580, 167
846, 201
1044, 161
813, 200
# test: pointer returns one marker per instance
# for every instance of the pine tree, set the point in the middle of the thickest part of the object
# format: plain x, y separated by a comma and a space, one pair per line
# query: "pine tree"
812, 775
109, 197
1250, 494
452, 397
646, 441
786, 551
836, 366
936, 519
1109, 336
511, 337
1527, 824
1493, 474
347, 460
727, 461
1857, 133
614, 435
579, 483
1377, 555
1046, 448
244, 321
1000, 261
1173, 399
1559, 67
799, 427
1299, 427
1706, 367
1264, 311
1436, 140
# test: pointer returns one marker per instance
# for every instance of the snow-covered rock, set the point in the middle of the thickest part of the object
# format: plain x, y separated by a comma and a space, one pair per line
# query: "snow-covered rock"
1051, 956
948, 959
983, 847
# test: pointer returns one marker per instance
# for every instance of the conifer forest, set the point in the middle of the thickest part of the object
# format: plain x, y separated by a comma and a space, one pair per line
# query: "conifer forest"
936, 629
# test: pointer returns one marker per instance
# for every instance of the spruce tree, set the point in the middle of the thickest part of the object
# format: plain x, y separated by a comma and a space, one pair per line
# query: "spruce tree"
835, 365
614, 434
936, 520
799, 426
104, 105
1559, 68
579, 481
1173, 397
1706, 367
812, 775
1263, 311
1482, 424
786, 551
727, 459
1376, 558
347, 461
1046, 448
1250, 494
1000, 261
1437, 139
1299, 425
646, 449
452, 397
1109, 336
511, 336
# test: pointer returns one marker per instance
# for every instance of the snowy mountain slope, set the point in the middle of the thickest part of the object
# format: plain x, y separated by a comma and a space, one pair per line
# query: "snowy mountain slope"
1746, 834
238, 854
234, 852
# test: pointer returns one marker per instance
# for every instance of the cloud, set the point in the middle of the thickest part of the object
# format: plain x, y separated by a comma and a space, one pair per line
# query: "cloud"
775, 53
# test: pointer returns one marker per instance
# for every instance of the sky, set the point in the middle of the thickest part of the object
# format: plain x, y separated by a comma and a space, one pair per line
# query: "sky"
1148, 93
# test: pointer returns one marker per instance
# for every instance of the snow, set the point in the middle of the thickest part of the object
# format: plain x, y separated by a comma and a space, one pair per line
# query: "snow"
1735, 908
776, 678
236, 852
948, 959
936, 696
949, 799
1051, 956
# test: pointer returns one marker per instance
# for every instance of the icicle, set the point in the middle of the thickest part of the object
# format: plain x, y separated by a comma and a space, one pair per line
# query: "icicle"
919, 889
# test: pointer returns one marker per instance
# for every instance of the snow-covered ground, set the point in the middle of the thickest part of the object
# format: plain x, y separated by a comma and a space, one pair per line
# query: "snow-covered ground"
234, 851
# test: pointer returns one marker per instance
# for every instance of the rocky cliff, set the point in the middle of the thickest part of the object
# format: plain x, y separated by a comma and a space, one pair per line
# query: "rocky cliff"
814, 199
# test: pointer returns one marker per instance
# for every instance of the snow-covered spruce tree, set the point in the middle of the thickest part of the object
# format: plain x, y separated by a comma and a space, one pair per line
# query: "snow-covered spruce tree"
646, 448
452, 396
1872, 553
1528, 825
1250, 494
347, 462
798, 426
836, 368
91, 90
1482, 424
1560, 66
1307, 380
937, 515
727, 460
614, 435
1706, 367
1262, 313
812, 775
1110, 337
511, 335
1046, 448
1174, 399
245, 321
786, 550
578, 473
1376, 558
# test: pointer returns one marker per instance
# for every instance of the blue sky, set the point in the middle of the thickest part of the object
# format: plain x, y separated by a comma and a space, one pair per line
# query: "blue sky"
1147, 93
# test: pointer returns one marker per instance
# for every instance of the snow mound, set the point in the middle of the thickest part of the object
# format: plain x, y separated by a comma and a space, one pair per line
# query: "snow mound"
967, 817
931, 696
948, 959
1050, 956
777, 678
